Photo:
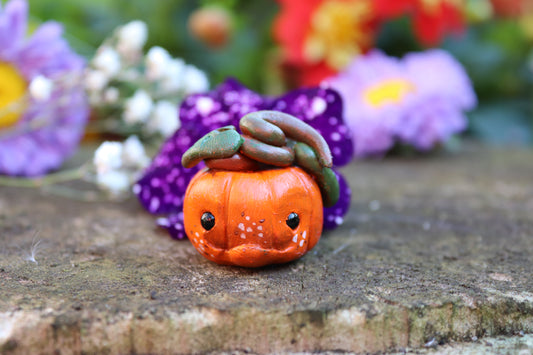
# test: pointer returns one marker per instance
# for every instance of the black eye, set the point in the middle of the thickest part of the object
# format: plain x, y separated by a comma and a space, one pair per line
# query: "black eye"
293, 220
208, 220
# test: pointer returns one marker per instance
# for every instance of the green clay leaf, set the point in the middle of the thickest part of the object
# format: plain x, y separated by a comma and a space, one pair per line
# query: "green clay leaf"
266, 132
266, 153
329, 185
300, 131
306, 158
217, 144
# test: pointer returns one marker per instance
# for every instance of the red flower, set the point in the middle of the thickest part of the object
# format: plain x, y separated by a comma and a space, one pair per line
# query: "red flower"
511, 8
387, 9
432, 19
320, 37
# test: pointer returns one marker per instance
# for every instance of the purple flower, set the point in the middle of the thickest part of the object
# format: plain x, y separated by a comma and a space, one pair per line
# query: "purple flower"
418, 100
37, 133
162, 188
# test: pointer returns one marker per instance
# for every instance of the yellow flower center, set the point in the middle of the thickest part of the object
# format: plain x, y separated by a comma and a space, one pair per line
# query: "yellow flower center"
12, 88
389, 91
336, 33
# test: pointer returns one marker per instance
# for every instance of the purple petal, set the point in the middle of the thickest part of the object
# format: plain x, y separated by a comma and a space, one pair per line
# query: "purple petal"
162, 189
203, 112
334, 216
170, 153
238, 100
174, 225
13, 22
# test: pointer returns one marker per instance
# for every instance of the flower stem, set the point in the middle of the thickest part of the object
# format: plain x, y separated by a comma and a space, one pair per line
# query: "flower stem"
50, 179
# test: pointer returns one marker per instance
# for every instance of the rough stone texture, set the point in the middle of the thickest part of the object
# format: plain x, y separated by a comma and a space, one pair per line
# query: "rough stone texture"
434, 250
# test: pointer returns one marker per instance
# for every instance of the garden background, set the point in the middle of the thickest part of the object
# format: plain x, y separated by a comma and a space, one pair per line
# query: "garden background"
495, 48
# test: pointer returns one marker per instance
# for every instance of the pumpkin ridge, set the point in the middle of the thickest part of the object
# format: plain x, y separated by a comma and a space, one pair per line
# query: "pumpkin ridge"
268, 182
305, 184
228, 186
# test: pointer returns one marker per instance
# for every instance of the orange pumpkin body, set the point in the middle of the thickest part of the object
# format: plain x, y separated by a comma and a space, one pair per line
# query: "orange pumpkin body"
250, 211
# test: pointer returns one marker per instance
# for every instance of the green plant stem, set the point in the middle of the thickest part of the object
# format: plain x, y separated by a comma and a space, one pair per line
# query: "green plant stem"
50, 179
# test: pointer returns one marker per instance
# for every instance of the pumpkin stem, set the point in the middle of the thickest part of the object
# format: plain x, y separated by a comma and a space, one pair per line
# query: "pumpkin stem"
297, 130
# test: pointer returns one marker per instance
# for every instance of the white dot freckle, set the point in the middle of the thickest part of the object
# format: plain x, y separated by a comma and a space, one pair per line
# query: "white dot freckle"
253, 223
204, 105
163, 222
243, 236
241, 226
136, 188
260, 228
335, 136
196, 234
201, 241
339, 220
247, 218
260, 235
154, 204
302, 242
295, 238
304, 234
249, 229
318, 105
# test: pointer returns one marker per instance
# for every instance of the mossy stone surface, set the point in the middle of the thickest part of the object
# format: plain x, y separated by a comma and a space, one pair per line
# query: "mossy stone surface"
433, 249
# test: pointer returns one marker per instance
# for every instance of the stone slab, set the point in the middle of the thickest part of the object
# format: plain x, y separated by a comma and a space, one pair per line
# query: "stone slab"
434, 250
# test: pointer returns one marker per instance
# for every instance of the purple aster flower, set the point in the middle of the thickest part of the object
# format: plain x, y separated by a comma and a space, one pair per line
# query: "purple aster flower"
162, 188
418, 100
37, 132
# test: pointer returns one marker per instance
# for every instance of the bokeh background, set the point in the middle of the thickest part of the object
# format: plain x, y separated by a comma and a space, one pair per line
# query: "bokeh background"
496, 49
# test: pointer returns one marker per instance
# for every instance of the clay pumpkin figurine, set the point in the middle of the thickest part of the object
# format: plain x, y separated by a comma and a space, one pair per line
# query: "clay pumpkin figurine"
259, 201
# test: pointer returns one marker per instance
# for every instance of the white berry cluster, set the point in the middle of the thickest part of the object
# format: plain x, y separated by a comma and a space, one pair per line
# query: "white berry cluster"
118, 165
139, 92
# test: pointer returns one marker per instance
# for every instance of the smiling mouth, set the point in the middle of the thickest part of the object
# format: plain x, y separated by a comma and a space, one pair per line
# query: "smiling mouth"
250, 255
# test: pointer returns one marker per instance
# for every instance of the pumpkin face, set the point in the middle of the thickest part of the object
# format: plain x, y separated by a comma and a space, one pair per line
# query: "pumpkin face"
253, 218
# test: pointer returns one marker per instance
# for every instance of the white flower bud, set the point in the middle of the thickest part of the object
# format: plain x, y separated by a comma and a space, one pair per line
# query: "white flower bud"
164, 118
108, 157
138, 107
157, 61
41, 88
132, 37
111, 95
133, 153
95, 80
195, 80
173, 77
107, 60
115, 181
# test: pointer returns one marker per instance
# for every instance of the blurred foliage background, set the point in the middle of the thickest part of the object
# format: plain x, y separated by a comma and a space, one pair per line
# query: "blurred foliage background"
497, 52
